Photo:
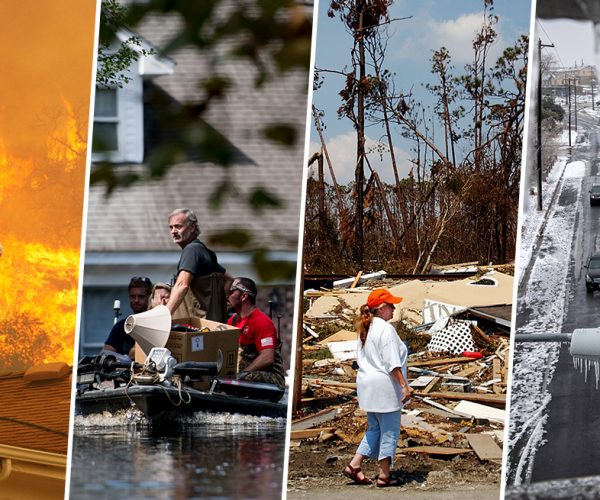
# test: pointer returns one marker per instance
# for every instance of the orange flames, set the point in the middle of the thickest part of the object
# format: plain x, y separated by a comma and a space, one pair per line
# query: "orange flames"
38, 302
70, 143
13, 175
41, 238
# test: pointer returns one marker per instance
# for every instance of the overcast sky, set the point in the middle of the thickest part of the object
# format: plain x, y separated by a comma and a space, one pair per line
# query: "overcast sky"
433, 24
573, 40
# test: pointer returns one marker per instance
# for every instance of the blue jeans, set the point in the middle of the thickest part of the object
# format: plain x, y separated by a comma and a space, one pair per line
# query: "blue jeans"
381, 438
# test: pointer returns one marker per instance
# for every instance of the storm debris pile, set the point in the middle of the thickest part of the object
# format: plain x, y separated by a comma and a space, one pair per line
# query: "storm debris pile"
457, 371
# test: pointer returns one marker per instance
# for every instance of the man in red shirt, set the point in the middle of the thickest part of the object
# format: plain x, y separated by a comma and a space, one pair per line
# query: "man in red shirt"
260, 354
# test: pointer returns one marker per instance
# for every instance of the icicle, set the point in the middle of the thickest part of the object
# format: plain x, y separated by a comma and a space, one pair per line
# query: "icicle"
585, 363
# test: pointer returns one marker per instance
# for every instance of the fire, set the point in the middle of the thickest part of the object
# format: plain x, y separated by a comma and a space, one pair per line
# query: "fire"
13, 171
39, 265
69, 142
38, 302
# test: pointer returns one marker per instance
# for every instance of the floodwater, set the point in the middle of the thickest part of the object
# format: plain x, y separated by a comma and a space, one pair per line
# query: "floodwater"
207, 456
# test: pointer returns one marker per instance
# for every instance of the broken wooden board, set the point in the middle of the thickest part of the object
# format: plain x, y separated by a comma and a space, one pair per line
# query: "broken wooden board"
318, 381
340, 336
485, 447
438, 406
456, 386
312, 347
422, 382
497, 375
314, 419
446, 376
355, 438
344, 283
431, 386
320, 293
323, 401
437, 450
469, 370
340, 391
310, 433
440, 361
310, 331
355, 282
480, 411
490, 399
344, 350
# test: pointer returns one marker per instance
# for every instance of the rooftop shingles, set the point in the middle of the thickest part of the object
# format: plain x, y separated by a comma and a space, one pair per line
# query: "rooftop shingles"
502, 311
35, 415
134, 219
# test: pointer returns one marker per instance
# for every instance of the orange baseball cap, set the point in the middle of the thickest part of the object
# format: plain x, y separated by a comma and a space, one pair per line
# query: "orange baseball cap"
380, 296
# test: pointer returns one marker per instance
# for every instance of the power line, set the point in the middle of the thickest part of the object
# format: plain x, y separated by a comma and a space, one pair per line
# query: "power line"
562, 64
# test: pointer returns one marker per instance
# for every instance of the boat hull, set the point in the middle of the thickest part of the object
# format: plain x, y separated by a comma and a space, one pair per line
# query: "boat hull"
158, 402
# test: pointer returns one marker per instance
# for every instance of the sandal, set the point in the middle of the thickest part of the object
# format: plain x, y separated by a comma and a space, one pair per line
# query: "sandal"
384, 482
352, 473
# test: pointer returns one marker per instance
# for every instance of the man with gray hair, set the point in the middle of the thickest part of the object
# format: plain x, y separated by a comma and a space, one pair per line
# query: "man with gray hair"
200, 285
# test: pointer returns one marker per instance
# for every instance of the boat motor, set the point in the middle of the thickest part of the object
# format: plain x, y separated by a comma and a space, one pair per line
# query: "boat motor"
107, 366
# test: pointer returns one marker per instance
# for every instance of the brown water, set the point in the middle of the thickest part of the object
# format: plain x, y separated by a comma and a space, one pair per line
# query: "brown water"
219, 457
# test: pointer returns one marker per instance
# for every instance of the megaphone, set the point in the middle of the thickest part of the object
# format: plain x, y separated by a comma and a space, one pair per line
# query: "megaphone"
150, 328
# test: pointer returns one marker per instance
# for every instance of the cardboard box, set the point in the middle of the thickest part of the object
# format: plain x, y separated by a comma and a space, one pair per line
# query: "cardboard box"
203, 346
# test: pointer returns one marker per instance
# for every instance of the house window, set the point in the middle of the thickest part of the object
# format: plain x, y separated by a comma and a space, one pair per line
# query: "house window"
118, 134
106, 121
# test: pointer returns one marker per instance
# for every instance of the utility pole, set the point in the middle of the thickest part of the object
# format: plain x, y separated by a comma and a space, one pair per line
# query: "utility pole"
593, 81
575, 101
569, 105
539, 126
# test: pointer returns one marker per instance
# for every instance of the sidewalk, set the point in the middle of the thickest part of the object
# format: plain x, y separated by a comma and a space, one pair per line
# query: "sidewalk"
464, 493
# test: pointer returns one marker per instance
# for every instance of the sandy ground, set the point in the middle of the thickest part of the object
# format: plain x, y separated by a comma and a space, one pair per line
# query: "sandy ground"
315, 472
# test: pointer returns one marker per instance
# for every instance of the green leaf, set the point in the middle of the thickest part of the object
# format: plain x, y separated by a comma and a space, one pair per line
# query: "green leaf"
260, 198
282, 133
271, 270
220, 192
236, 238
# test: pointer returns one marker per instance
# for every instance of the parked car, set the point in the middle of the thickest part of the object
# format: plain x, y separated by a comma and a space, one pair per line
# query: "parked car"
592, 275
595, 195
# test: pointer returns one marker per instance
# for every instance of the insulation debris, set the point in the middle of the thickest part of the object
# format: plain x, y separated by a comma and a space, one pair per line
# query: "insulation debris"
457, 368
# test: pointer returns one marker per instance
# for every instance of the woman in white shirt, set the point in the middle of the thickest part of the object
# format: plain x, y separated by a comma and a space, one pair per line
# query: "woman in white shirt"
381, 385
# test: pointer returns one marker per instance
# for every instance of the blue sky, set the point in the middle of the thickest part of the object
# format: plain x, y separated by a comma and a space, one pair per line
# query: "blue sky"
434, 23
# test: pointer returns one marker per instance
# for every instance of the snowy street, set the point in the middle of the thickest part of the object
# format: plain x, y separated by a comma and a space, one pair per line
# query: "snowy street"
554, 417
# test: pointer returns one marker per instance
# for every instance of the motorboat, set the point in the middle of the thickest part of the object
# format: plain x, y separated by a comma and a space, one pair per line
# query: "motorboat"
161, 387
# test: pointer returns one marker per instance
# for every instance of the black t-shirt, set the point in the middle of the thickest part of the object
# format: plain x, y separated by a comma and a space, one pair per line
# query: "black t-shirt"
197, 259
118, 339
